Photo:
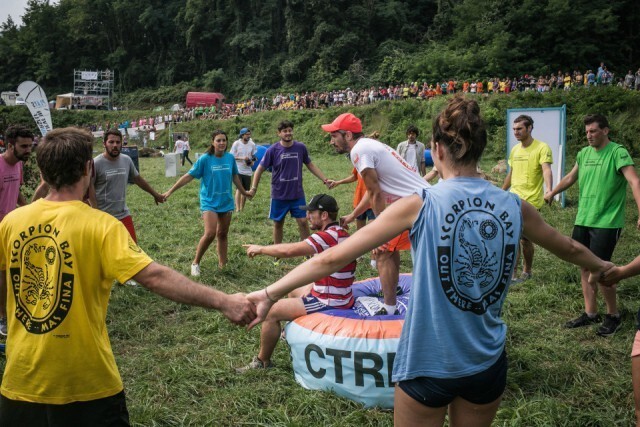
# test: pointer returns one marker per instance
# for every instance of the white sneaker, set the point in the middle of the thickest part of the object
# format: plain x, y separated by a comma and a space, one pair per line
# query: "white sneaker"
195, 270
374, 264
3, 326
132, 282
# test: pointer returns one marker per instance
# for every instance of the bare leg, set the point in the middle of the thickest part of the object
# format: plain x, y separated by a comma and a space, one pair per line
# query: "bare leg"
527, 256
389, 271
408, 412
224, 221
240, 199
303, 228
463, 413
286, 309
590, 293
635, 378
278, 227
210, 226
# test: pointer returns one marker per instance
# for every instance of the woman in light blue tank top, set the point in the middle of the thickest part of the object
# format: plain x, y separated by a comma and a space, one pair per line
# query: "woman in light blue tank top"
464, 235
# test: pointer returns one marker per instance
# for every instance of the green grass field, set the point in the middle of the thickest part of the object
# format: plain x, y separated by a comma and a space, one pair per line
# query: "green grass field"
177, 362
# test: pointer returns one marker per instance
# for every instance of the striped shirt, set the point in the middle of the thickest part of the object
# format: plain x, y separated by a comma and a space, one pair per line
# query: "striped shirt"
333, 290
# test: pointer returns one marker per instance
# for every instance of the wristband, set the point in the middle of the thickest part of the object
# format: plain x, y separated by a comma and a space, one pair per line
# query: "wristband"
268, 297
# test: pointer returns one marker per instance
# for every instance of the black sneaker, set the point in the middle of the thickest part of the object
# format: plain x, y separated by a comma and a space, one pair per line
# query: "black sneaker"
610, 325
583, 320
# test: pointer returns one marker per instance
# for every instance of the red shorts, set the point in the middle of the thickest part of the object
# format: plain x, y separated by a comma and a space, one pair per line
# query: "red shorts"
128, 223
399, 243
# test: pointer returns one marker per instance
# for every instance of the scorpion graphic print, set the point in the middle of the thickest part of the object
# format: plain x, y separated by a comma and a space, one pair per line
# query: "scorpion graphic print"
41, 278
477, 260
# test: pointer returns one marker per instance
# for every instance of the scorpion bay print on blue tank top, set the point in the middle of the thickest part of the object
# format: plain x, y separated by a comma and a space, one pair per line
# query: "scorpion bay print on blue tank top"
476, 252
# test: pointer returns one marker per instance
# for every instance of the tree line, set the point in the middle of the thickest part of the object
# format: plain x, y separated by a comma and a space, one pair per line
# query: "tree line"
248, 47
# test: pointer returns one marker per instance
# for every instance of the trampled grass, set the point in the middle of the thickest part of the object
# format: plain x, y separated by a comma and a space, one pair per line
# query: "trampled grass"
177, 362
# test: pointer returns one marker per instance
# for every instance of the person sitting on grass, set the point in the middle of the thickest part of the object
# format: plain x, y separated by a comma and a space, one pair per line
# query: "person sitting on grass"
331, 291
451, 354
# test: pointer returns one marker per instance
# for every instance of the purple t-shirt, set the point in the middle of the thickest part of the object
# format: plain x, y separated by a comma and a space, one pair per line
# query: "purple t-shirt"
286, 174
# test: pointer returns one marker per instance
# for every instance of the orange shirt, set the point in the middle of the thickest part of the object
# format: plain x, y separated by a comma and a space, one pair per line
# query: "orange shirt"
361, 190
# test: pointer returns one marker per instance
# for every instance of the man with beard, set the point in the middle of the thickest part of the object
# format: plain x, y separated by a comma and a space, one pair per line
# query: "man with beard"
19, 142
330, 292
603, 169
388, 177
113, 171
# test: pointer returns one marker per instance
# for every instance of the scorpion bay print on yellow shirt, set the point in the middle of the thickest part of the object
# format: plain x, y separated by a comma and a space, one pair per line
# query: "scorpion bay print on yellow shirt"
46, 275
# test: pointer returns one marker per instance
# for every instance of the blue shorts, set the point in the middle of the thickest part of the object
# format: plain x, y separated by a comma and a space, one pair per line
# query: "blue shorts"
367, 215
280, 208
480, 389
313, 304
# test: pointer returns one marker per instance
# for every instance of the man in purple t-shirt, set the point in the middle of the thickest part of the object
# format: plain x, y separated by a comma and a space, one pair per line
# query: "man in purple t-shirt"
19, 141
286, 158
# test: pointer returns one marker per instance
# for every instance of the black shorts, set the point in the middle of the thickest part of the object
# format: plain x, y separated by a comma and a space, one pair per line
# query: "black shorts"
480, 389
246, 181
107, 412
601, 241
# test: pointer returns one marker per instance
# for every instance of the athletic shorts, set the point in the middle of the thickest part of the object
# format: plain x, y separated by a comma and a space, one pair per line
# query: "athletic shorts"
601, 241
108, 411
127, 221
367, 215
399, 243
280, 209
220, 214
480, 389
314, 305
246, 181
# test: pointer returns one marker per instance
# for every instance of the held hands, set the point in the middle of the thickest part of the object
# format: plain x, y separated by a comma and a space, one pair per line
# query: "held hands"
262, 306
331, 184
166, 195
239, 310
346, 220
603, 274
159, 198
548, 198
612, 276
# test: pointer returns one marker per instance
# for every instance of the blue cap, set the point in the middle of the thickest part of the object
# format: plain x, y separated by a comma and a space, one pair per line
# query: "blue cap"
244, 130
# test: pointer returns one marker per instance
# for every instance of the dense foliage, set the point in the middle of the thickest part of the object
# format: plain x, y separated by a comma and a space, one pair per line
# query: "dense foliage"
247, 47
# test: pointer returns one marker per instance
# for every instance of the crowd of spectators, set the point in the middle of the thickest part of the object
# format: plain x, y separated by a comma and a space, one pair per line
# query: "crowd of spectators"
323, 99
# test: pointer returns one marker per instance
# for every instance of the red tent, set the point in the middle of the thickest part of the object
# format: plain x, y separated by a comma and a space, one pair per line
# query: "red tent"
204, 99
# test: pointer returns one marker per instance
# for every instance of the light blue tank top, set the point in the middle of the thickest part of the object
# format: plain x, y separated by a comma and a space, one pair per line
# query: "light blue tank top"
463, 246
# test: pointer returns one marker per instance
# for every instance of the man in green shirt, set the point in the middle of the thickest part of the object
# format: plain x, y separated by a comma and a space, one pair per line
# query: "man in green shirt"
602, 169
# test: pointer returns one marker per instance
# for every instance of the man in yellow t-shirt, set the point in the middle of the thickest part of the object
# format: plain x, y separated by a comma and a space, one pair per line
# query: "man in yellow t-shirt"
59, 258
530, 165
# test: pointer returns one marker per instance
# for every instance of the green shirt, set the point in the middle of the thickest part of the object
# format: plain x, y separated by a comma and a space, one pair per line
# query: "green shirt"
603, 187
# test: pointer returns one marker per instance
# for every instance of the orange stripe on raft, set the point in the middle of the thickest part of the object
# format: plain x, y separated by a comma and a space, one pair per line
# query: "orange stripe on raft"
351, 328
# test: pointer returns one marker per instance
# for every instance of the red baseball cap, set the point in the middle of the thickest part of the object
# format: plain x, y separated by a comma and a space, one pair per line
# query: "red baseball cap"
345, 121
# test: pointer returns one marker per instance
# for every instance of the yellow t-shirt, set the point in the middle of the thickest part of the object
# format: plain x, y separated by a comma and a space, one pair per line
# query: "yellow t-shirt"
60, 260
526, 171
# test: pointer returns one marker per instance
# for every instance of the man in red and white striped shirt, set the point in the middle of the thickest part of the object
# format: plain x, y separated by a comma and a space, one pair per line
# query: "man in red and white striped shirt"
330, 292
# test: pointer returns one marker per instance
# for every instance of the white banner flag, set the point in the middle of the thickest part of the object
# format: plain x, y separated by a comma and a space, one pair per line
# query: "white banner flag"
36, 100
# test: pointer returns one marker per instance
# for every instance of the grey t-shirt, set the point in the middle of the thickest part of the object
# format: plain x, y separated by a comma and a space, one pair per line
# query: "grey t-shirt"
111, 183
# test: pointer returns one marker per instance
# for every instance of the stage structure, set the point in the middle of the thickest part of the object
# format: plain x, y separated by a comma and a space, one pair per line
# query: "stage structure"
93, 89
